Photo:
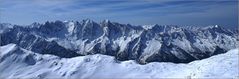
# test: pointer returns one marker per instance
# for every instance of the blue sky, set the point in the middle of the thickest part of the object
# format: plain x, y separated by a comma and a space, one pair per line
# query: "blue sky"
140, 12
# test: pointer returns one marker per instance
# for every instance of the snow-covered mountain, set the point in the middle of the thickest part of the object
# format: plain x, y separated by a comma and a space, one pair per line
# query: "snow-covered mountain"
5, 26
17, 62
144, 44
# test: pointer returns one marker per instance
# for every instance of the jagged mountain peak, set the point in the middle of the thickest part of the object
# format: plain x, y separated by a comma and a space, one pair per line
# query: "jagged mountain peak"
147, 27
217, 29
34, 25
87, 21
211, 27
106, 21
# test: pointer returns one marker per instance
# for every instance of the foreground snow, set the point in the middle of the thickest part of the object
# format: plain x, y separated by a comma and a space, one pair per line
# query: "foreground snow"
16, 62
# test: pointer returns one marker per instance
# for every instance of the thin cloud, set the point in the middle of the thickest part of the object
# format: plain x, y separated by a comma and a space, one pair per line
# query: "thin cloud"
130, 11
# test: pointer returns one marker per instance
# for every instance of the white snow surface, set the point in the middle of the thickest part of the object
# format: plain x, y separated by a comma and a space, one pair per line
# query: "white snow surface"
16, 62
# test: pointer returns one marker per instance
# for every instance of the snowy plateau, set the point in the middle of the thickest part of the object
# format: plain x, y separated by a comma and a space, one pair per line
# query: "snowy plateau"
86, 49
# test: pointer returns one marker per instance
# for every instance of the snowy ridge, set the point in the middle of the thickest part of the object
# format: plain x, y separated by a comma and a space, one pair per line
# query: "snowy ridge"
17, 62
124, 41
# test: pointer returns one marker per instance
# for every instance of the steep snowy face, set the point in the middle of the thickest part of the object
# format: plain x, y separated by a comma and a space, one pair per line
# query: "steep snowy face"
126, 42
91, 30
16, 62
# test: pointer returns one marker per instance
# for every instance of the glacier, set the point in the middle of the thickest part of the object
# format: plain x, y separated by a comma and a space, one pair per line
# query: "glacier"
17, 62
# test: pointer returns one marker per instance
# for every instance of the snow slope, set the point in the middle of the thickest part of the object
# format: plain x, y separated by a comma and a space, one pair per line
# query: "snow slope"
16, 62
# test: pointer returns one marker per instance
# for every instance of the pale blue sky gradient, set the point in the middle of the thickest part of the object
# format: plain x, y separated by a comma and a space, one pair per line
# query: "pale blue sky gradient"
141, 12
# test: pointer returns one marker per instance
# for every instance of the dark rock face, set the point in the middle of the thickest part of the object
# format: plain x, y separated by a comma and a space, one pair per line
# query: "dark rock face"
144, 44
25, 39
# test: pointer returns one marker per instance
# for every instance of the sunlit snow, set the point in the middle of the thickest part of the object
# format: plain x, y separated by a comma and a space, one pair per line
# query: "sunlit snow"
17, 62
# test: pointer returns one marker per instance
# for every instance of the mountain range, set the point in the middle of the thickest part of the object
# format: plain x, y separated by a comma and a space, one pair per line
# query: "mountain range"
142, 43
